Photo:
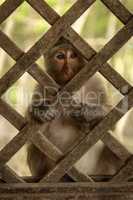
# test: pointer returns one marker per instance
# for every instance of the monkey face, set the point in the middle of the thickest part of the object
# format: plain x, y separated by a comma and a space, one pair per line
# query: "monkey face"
64, 62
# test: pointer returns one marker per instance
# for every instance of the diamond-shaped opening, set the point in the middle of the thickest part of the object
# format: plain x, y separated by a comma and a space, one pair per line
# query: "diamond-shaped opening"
20, 94
7, 132
124, 131
128, 4
60, 6
97, 25
41, 63
97, 161
6, 62
2, 1
122, 61
19, 162
114, 96
25, 26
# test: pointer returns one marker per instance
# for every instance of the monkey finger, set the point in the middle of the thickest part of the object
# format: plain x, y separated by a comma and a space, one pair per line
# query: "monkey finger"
52, 114
49, 116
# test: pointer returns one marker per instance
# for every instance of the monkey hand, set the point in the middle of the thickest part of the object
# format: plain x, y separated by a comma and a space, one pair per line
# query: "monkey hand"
89, 114
49, 115
44, 112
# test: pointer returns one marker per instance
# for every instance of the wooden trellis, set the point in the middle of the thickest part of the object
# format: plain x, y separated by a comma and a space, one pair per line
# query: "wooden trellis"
16, 187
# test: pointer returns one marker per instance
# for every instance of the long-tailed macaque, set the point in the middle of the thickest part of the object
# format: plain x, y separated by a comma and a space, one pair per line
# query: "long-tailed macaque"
90, 104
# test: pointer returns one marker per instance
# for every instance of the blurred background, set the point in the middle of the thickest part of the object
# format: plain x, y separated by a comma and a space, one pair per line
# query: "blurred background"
25, 26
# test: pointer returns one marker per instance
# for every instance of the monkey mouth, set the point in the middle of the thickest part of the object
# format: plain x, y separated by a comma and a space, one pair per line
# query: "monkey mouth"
64, 76
67, 74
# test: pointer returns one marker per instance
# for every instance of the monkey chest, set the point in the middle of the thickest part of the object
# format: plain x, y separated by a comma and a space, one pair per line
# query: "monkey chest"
62, 133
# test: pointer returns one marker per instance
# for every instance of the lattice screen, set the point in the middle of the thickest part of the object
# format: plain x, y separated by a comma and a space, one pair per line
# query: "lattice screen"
61, 27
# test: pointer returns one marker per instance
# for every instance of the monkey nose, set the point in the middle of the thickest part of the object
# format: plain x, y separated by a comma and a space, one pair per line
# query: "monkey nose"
65, 67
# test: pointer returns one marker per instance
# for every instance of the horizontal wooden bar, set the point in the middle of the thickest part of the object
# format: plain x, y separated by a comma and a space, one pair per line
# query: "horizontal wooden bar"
65, 191
95, 178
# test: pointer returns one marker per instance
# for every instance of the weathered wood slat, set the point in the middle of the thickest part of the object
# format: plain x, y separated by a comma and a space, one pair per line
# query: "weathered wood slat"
16, 143
79, 177
11, 115
46, 146
116, 147
87, 191
10, 47
44, 10
125, 172
8, 7
95, 178
42, 77
118, 9
9, 176
115, 79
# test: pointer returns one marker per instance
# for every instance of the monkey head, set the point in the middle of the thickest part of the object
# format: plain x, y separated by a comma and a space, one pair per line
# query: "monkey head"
63, 62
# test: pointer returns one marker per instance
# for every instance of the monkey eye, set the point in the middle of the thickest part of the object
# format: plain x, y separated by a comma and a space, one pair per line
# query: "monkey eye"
74, 55
60, 56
